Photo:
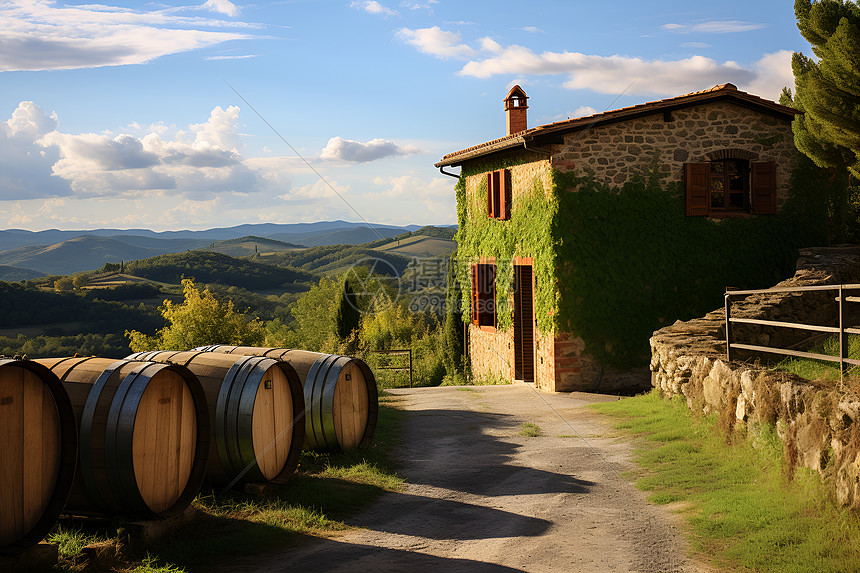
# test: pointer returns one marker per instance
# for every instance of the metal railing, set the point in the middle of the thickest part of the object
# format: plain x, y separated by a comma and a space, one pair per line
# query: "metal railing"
842, 329
399, 352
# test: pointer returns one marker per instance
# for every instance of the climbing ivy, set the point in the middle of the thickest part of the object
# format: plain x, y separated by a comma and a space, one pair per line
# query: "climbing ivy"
614, 264
523, 235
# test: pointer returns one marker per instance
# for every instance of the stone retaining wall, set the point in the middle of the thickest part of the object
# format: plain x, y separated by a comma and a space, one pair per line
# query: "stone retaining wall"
817, 422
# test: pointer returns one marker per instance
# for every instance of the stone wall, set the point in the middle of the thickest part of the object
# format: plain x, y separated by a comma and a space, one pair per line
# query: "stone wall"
616, 151
491, 353
817, 422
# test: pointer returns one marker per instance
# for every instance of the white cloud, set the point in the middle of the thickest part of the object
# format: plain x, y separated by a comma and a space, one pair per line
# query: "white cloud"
411, 186
773, 72
714, 27
532, 29
38, 160
25, 166
245, 57
436, 42
222, 6
39, 35
373, 7
341, 149
614, 74
418, 5
581, 111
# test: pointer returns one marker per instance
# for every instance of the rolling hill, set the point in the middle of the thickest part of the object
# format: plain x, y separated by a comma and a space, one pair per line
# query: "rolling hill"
211, 267
420, 246
66, 252
251, 245
343, 236
8, 273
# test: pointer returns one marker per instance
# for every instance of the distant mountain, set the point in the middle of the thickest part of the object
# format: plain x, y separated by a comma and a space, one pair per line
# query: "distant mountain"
88, 253
13, 238
66, 252
13, 274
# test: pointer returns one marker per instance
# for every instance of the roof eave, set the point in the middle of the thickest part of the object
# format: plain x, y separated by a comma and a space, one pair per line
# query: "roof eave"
508, 143
770, 108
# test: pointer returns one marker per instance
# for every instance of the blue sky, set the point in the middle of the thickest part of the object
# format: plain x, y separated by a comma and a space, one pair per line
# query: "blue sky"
124, 114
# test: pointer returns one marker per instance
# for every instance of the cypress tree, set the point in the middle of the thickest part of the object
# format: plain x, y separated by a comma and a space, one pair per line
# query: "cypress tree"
348, 315
828, 90
453, 342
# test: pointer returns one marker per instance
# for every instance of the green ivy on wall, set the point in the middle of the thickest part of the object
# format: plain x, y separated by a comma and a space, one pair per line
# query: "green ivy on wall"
523, 235
614, 264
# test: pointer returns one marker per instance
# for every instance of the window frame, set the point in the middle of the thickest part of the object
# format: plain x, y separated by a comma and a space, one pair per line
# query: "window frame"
484, 295
499, 194
760, 189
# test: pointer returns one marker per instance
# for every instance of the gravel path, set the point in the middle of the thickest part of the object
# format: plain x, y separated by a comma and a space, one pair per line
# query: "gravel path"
481, 497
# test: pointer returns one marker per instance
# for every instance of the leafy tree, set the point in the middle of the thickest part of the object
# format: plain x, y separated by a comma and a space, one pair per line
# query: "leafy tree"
348, 314
314, 313
827, 89
199, 320
64, 284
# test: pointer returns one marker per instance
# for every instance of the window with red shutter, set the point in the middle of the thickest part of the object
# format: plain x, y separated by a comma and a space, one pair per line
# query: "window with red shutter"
484, 295
729, 185
499, 194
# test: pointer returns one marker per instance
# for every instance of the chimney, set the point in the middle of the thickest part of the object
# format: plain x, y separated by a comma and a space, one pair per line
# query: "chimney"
515, 110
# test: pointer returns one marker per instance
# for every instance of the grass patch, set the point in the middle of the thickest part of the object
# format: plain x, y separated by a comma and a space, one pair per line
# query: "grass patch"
150, 564
530, 430
744, 512
821, 369
72, 541
326, 489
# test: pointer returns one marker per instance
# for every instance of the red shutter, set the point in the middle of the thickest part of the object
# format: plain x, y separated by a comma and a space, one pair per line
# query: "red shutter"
497, 194
490, 301
763, 188
475, 288
505, 180
698, 196
490, 194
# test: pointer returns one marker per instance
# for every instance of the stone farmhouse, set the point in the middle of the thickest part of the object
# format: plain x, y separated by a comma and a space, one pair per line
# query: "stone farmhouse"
729, 153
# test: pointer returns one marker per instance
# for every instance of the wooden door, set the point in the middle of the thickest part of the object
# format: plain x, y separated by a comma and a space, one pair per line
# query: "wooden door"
524, 332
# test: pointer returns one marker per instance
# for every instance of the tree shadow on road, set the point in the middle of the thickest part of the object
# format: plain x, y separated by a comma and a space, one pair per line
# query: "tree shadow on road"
444, 519
333, 556
472, 452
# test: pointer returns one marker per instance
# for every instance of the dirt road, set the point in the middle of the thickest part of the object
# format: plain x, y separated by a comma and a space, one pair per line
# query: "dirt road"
481, 497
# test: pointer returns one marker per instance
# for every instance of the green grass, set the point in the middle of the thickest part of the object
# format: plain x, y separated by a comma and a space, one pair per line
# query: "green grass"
150, 564
743, 511
71, 541
820, 369
530, 430
326, 489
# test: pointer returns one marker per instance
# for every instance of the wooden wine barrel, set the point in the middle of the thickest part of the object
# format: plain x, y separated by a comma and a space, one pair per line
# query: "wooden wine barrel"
38, 451
257, 410
340, 395
144, 435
